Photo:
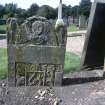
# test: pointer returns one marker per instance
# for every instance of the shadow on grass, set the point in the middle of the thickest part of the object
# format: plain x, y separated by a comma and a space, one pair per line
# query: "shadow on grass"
2, 37
2, 32
71, 69
75, 81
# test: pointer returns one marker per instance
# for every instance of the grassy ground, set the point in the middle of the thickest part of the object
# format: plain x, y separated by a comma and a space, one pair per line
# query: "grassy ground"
71, 62
72, 29
3, 29
3, 63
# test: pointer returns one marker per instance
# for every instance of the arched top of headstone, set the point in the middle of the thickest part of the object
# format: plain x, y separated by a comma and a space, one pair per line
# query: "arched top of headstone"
35, 30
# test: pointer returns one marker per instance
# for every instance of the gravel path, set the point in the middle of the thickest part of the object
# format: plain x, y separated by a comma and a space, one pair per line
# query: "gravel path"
75, 44
89, 93
3, 43
92, 93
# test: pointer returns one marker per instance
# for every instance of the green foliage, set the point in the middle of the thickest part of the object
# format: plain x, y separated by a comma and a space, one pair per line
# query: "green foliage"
66, 10
75, 11
11, 10
85, 6
21, 13
33, 9
2, 11
47, 11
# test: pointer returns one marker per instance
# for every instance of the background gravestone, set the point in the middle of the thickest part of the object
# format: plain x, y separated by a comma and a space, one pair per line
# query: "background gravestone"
36, 52
94, 48
82, 22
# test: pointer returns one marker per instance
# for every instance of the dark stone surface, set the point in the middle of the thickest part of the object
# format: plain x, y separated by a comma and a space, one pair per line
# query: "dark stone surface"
94, 48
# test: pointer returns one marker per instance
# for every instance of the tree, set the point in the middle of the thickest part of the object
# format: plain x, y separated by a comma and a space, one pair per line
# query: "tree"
10, 9
21, 13
33, 9
74, 11
47, 11
66, 10
85, 6
2, 11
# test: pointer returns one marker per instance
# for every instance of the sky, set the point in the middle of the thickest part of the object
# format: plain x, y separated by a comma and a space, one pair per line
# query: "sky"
53, 3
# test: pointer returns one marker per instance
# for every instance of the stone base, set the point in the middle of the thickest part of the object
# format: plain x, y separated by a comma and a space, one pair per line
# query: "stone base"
58, 78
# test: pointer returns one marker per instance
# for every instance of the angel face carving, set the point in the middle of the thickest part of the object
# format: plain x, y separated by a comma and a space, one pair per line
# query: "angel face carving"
37, 32
37, 27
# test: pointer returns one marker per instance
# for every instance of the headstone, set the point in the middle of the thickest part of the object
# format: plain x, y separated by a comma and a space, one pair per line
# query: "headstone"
76, 21
82, 22
71, 20
94, 48
36, 52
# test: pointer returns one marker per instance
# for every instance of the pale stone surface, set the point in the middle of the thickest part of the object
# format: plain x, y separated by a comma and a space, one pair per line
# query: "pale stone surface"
3, 43
75, 44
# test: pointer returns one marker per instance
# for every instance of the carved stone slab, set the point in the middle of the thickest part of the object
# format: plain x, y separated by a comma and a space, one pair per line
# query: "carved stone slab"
36, 52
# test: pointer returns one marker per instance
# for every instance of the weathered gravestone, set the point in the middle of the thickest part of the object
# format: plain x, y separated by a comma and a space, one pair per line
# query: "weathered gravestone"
94, 48
36, 52
82, 22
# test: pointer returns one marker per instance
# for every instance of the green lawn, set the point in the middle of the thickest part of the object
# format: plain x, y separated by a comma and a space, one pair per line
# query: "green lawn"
72, 29
3, 63
3, 29
72, 63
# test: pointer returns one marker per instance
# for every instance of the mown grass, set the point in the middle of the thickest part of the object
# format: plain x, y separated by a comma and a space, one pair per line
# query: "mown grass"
72, 28
3, 29
3, 63
72, 63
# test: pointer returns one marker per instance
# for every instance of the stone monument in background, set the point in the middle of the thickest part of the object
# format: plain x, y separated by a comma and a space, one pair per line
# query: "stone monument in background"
82, 22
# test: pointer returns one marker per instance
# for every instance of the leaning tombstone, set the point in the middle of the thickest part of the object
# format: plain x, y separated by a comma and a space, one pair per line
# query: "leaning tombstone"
36, 52
94, 48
